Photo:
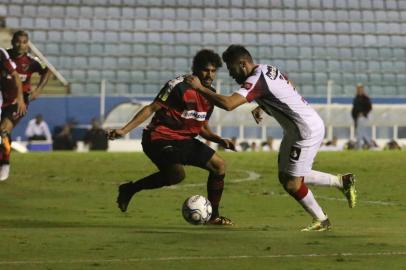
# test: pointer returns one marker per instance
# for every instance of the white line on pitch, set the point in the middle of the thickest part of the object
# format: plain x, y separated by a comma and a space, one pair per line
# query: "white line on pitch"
251, 176
195, 258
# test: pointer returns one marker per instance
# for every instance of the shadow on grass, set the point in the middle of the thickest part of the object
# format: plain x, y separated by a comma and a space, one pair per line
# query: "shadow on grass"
141, 228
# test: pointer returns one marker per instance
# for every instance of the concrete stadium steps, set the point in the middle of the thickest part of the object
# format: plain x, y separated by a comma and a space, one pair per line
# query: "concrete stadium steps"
5, 37
53, 87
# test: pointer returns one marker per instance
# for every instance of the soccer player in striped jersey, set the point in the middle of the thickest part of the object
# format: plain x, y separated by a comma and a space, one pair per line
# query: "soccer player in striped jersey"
8, 72
26, 65
180, 114
303, 129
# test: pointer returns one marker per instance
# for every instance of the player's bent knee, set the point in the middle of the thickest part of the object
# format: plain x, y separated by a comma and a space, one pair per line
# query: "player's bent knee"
290, 183
174, 177
220, 168
217, 165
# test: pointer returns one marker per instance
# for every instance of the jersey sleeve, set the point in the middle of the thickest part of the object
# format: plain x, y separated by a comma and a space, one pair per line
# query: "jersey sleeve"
169, 89
6, 63
248, 88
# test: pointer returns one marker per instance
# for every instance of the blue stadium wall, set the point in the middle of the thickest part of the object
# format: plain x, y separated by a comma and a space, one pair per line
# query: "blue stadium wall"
59, 110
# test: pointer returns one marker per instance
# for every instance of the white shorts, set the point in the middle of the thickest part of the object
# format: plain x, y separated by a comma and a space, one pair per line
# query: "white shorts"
296, 156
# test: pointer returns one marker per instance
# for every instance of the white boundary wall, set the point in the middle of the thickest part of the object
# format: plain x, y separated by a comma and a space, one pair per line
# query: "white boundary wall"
334, 116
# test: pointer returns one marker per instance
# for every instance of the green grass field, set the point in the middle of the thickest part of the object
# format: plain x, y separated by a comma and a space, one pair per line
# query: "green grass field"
58, 211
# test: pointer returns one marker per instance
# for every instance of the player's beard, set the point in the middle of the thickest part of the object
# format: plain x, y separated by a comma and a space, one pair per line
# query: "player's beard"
207, 83
239, 79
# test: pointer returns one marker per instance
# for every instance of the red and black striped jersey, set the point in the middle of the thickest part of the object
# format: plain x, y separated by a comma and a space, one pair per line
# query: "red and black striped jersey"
7, 66
26, 66
184, 112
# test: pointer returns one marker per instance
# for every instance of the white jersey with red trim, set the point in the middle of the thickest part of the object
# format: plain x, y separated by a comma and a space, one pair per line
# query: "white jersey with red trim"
278, 98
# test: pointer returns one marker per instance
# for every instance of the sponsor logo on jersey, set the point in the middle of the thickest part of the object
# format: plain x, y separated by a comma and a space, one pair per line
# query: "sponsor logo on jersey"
167, 89
23, 77
272, 72
247, 85
25, 67
199, 116
164, 94
295, 153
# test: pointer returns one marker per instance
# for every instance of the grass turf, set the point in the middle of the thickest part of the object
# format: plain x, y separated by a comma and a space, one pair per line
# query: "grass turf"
58, 212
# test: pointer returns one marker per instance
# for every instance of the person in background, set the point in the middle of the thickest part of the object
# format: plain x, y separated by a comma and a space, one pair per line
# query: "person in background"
64, 139
13, 101
268, 144
361, 108
38, 130
96, 137
9, 76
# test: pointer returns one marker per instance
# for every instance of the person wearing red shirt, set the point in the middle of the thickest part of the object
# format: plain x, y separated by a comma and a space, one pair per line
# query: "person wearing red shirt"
180, 114
12, 106
8, 72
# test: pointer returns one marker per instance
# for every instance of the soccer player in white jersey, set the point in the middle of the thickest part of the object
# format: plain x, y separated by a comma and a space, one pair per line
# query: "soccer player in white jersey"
303, 129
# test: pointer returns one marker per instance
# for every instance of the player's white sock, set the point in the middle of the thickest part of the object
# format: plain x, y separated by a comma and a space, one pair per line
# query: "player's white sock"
323, 179
305, 197
310, 204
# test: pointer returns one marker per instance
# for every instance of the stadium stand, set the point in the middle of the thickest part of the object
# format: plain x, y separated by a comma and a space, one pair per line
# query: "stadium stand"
138, 45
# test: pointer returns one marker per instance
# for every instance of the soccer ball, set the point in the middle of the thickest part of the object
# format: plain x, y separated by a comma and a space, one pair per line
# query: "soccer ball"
196, 210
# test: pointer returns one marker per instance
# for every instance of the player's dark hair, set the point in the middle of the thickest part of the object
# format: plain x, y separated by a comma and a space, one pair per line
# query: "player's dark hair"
234, 52
19, 33
205, 57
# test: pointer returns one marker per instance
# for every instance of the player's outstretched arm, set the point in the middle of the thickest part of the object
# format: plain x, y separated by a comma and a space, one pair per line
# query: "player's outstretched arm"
208, 134
138, 119
227, 103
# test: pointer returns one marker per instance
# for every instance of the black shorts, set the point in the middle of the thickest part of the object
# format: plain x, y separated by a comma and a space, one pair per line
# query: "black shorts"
167, 152
10, 111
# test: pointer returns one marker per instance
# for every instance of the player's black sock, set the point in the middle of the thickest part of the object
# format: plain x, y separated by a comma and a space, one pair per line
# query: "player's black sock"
215, 186
152, 181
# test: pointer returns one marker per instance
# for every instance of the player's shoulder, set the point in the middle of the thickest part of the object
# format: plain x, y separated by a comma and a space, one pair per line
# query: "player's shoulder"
271, 71
170, 86
4, 54
32, 58
175, 81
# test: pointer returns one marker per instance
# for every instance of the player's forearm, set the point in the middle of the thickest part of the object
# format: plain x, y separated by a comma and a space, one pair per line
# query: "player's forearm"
43, 80
138, 119
218, 100
210, 136
18, 84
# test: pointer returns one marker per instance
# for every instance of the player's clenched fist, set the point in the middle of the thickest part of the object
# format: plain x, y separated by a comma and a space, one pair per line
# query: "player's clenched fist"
115, 134
257, 114
227, 144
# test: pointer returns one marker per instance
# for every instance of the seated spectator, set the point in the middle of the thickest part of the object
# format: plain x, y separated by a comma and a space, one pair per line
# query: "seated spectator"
392, 145
350, 145
244, 146
237, 146
38, 130
64, 140
96, 137
332, 142
253, 147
